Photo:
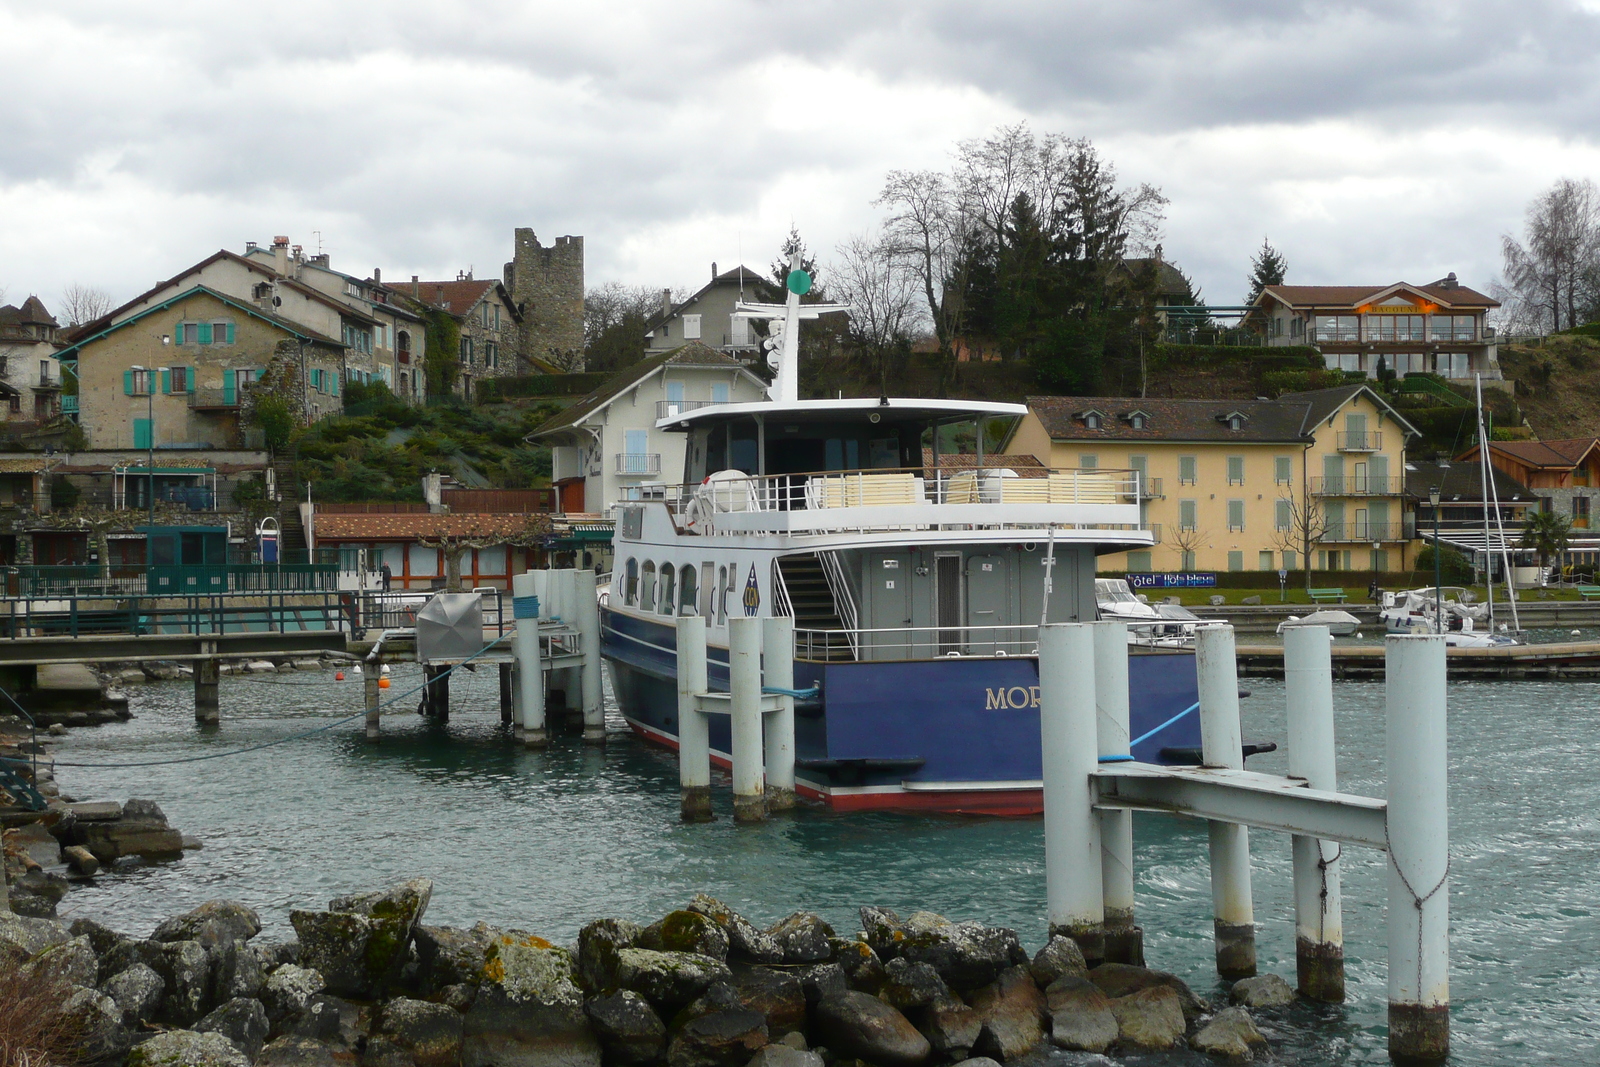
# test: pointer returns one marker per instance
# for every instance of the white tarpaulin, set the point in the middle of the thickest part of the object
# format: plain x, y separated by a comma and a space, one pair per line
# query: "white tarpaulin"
450, 627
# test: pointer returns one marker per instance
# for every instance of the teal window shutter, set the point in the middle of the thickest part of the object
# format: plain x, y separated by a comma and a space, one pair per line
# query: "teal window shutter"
127, 383
335, 383
177, 334
188, 378
166, 382
141, 433
227, 387
230, 333
205, 333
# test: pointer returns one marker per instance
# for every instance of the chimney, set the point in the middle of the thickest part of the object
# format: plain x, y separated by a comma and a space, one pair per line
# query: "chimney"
249, 246
441, 294
377, 275
666, 301
416, 289
713, 270
1450, 281
280, 255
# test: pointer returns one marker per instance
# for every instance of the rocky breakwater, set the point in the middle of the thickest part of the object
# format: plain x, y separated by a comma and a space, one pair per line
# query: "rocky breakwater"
369, 983
47, 851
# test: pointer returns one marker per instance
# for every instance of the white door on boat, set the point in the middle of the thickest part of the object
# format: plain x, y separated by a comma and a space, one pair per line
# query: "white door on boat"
986, 601
888, 604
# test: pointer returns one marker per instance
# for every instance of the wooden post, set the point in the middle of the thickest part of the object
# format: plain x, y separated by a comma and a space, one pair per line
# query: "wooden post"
371, 672
207, 708
505, 693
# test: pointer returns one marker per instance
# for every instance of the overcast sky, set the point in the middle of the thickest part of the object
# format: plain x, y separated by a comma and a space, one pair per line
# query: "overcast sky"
1371, 142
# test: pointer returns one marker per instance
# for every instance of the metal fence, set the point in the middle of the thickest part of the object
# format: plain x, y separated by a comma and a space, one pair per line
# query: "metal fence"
75, 615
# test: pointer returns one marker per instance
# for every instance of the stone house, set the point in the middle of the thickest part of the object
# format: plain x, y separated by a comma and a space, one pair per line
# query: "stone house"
606, 448
180, 373
1564, 475
489, 323
708, 317
546, 286
30, 364
1226, 484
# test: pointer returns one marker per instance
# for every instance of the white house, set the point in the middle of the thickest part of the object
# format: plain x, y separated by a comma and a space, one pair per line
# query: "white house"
708, 316
606, 447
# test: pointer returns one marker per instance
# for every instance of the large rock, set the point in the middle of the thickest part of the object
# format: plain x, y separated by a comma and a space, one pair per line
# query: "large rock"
324, 1020
1059, 959
449, 956
1080, 1015
950, 1025
22, 938
186, 1048
242, 1021
778, 997
102, 938
967, 955
668, 980
776, 1055
1120, 979
909, 984
185, 967
744, 940
70, 963
111, 841
822, 979
721, 1039
213, 923
1262, 991
294, 1050
362, 941
137, 992
856, 1024
1231, 1034
862, 967
127, 953
97, 1022
274, 954
288, 990
1012, 1010
598, 945
430, 1033
235, 972
529, 1010
883, 931
630, 1030
1149, 1020
35, 895
802, 938
686, 931
719, 996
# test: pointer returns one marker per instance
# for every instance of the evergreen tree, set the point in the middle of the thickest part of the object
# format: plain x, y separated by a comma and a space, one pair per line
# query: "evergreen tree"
1267, 267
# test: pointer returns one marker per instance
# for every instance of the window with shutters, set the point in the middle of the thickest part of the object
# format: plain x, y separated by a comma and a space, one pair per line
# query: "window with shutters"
141, 382
1282, 469
1236, 561
222, 333
1264, 560
178, 379
691, 327
1139, 562
1187, 510
1283, 514
1188, 470
466, 350
1235, 470
1186, 560
1089, 462
491, 354
1289, 559
1235, 516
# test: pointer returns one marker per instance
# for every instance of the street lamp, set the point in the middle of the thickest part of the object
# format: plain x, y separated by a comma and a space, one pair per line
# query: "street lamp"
1438, 589
150, 445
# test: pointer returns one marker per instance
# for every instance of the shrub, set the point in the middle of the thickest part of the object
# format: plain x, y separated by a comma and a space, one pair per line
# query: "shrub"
33, 1031
1454, 568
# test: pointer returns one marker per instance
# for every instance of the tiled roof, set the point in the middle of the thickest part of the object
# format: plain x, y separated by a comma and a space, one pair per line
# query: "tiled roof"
692, 354
1463, 481
31, 313
411, 527
1562, 455
1169, 420
966, 461
28, 465
104, 326
757, 286
1352, 296
458, 298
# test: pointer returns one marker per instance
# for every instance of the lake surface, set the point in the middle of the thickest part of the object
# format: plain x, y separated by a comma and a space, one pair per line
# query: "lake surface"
547, 841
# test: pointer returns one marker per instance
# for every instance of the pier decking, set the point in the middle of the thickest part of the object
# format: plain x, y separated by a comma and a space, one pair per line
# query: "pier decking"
1569, 659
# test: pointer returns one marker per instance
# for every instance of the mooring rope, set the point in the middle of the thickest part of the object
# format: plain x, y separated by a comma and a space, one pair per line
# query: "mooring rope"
292, 737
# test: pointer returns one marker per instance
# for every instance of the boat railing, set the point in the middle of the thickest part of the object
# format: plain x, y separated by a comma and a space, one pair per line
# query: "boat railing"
916, 642
731, 501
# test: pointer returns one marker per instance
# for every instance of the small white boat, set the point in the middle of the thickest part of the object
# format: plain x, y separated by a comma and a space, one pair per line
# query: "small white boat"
1339, 623
1149, 625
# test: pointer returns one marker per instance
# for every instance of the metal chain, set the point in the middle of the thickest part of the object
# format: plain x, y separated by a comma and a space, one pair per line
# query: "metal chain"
1416, 901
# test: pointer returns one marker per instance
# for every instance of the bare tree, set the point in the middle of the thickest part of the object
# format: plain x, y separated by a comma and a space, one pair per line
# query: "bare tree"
1550, 281
924, 233
483, 531
1188, 540
882, 299
82, 303
1307, 526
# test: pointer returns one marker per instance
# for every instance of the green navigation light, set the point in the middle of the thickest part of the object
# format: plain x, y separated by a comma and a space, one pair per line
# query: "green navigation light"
799, 282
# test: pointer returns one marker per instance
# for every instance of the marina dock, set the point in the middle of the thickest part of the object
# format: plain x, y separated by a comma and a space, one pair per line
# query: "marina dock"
1568, 659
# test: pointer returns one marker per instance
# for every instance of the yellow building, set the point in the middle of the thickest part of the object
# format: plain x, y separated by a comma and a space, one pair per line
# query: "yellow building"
1233, 485
181, 372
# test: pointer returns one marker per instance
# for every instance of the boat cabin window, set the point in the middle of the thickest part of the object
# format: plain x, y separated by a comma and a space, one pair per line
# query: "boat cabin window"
630, 583
708, 586
803, 447
647, 594
719, 607
667, 588
686, 593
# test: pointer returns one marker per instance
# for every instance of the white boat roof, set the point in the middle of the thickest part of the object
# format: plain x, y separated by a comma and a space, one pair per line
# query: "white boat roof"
902, 407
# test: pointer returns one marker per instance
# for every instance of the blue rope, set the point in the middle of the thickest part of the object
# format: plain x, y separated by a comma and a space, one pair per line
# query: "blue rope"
798, 694
293, 737
1151, 733
1116, 759
525, 607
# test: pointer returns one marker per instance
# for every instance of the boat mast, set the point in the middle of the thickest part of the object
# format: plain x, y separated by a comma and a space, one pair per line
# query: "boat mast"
1494, 493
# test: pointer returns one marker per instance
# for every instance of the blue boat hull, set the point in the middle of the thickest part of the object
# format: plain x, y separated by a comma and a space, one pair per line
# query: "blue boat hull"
957, 734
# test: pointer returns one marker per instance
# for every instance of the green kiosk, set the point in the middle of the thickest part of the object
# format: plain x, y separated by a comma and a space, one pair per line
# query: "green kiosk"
186, 560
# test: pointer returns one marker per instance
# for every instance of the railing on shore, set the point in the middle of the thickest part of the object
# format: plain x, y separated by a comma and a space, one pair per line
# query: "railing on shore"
76, 615
93, 580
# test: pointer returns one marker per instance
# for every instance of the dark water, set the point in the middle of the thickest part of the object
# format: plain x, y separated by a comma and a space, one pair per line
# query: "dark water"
547, 841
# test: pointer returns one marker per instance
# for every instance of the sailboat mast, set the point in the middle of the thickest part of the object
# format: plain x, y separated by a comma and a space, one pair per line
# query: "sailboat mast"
1494, 493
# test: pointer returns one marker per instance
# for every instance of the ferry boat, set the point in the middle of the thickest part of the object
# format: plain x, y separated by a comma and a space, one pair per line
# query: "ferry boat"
916, 593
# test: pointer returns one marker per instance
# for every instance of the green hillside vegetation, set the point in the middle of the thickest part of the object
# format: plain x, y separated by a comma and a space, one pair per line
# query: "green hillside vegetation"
1558, 382
381, 446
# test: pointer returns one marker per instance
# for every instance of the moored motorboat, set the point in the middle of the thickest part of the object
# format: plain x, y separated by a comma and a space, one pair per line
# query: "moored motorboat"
1339, 623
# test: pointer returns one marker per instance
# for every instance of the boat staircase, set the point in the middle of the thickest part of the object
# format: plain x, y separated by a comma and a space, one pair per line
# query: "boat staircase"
812, 604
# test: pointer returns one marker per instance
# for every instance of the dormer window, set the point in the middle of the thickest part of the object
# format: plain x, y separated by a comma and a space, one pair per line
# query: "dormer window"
1092, 420
1137, 420
1234, 420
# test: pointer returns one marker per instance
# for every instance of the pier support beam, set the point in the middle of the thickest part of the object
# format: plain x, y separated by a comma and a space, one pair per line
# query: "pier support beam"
436, 682
529, 676
505, 692
1318, 917
1221, 746
694, 735
585, 609
1124, 939
207, 677
1073, 888
1419, 850
744, 707
372, 671
777, 656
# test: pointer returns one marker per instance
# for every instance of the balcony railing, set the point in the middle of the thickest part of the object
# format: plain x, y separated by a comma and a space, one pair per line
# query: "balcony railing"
1360, 440
213, 399
1364, 531
1149, 489
1381, 334
638, 463
1358, 485
666, 409
69, 404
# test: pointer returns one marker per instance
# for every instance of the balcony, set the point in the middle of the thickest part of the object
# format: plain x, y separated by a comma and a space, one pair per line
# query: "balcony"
1155, 530
1360, 441
47, 383
1363, 532
667, 409
638, 463
1149, 489
69, 405
213, 399
1357, 486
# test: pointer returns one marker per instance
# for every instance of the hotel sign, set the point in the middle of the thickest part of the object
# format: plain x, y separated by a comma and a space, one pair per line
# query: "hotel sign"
1394, 309
1172, 581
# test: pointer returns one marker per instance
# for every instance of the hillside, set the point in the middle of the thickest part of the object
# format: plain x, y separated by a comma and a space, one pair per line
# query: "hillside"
1558, 384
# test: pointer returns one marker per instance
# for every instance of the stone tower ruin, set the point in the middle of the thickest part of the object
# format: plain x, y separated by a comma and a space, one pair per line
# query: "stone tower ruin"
546, 284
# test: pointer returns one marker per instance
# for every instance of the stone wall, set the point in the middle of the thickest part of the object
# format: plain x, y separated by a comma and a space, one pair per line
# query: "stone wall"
546, 284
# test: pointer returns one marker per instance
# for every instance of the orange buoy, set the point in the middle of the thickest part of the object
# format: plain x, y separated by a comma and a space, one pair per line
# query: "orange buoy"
383, 683
339, 677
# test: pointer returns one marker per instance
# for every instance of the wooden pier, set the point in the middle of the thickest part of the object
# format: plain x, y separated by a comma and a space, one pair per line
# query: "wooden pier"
1568, 659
